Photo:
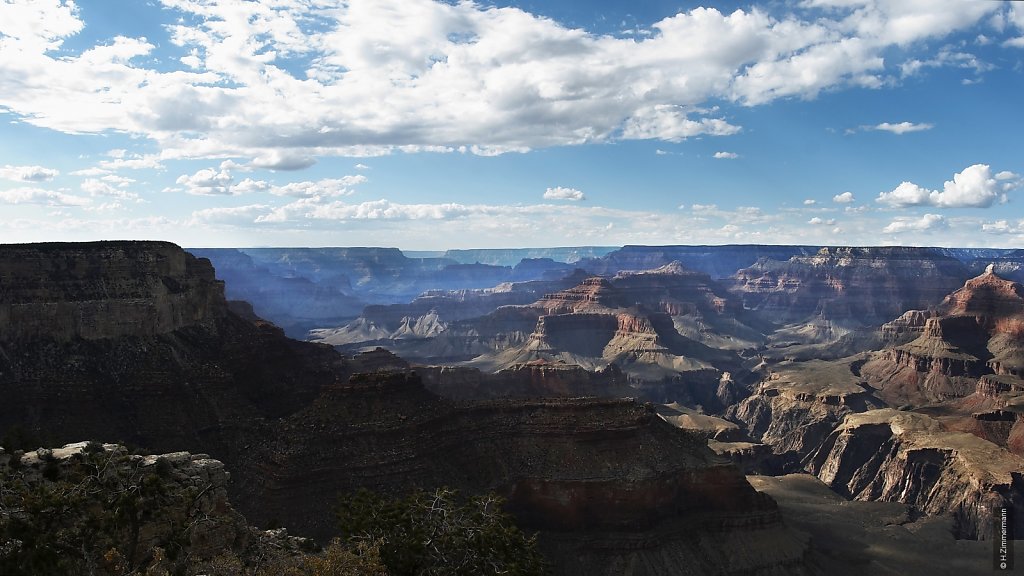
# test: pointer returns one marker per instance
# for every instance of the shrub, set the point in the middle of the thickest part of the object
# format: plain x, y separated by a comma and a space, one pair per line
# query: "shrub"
439, 534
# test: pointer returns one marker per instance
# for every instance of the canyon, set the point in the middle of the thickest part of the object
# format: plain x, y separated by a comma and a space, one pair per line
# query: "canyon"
616, 398
611, 485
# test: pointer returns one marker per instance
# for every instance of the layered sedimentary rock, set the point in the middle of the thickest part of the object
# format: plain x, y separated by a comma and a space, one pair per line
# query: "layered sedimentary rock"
662, 498
653, 324
716, 261
798, 405
431, 314
103, 290
841, 289
890, 455
974, 331
374, 275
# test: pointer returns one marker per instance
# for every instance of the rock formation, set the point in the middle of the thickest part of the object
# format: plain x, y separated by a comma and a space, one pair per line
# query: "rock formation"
840, 289
890, 455
716, 261
797, 406
127, 511
974, 331
663, 495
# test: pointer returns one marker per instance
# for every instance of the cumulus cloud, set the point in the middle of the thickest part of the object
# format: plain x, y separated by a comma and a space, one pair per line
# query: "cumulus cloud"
323, 188
726, 155
283, 83
902, 127
41, 196
95, 187
844, 198
560, 193
909, 224
207, 182
974, 187
28, 173
1003, 227
816, 221
810, 202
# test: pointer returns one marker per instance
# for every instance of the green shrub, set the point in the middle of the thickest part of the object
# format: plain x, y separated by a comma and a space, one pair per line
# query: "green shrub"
439, 534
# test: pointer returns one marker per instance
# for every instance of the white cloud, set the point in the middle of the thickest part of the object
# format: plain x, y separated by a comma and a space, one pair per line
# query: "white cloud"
207, 182
844, 198
909, 224
726, 155
221, 182
560, 193
672, 124
1003, 227
816, 221
810, 202
41, 196
321, 188
90, 172
974, 187
417, 75
902, 127
96, 187
39, 25
28, 173
236, 215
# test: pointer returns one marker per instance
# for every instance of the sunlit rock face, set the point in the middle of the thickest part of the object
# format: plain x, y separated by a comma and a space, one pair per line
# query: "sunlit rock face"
975, 331
890, 455
847, 288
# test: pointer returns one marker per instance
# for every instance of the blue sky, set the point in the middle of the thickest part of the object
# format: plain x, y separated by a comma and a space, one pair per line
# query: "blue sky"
430, 125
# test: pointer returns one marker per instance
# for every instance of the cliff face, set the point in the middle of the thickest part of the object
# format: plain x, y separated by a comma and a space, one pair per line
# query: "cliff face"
897, 456
973, 332
295, 303
103, 290
848, 287
716, 261
798, 405
133, 341
431, 314
662, 494
654, 324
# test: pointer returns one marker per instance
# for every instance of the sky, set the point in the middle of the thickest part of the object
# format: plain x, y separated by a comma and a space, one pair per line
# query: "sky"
429, 125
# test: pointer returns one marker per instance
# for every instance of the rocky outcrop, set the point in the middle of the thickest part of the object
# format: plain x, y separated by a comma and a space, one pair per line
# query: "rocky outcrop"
124, 511
890, 455
103, 290
436, 315
798, 405
847, 288
974, 331
662, 495
656, 325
